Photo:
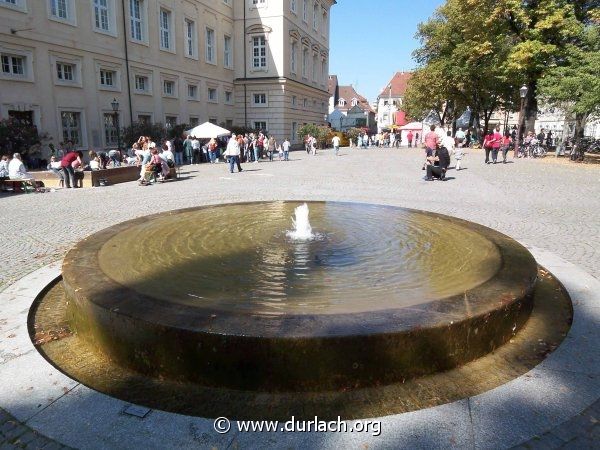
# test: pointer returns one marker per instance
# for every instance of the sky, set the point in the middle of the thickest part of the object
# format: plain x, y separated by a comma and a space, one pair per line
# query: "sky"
370, 40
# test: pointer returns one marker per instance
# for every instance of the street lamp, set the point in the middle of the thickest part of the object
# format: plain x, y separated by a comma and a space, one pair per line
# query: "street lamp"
523, 94
115, 107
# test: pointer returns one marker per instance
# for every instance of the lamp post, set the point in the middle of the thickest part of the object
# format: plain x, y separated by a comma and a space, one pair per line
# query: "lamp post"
391, 121
115, 107
523, 94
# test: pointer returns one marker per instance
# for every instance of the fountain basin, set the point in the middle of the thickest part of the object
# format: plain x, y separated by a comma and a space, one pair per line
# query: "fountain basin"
219, 296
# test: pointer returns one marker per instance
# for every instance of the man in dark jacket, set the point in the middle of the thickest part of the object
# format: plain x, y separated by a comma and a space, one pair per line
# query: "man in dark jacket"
437, 165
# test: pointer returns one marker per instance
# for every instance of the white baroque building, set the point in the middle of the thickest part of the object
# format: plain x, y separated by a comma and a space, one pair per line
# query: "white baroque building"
256, 63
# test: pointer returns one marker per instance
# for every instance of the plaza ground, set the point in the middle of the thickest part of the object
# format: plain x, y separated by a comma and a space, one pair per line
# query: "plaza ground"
550, 205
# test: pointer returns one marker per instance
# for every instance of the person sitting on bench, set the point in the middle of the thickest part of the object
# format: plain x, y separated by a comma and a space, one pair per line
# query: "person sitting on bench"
17, 171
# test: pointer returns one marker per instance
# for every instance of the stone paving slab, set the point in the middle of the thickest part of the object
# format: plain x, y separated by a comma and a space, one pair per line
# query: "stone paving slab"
520, 409
101, 423
30, 384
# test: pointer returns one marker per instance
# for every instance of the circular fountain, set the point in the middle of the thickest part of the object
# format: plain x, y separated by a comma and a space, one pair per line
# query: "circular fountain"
226, 296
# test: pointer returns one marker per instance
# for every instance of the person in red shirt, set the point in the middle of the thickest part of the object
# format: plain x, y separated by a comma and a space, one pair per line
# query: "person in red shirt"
496, 143
487, 145
409, 136
432, 140
66, 164
505, 145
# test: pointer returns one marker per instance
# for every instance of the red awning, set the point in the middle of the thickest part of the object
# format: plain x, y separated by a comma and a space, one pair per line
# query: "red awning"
400, 119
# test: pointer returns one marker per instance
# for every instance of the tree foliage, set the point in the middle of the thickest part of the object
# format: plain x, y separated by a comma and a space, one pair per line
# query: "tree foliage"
320, 132
478, 53
575, 85
17, 136
130, 134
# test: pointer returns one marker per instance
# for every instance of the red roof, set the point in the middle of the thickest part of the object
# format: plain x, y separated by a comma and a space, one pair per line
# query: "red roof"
399, 82
348, 93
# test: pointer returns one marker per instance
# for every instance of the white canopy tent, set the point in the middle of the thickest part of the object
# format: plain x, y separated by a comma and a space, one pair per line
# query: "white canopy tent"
208, 130
413, 126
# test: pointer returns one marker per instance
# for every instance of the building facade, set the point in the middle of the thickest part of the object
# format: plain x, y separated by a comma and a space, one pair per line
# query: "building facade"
390, 101
348, 109
255, 63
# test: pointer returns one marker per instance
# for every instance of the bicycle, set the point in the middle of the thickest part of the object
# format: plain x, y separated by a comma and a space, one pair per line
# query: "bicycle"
538, 151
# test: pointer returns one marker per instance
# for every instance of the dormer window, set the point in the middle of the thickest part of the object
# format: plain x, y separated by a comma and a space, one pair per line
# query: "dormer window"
354, 102
342, 102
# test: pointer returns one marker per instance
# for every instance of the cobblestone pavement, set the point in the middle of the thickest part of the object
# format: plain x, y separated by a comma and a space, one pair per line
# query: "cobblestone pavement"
550, 206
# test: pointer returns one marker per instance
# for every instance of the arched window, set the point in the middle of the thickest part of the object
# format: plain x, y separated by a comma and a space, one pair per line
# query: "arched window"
354, 102
342, 102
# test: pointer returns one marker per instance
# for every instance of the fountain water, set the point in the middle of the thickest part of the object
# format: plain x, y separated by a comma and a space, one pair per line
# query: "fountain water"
302, 229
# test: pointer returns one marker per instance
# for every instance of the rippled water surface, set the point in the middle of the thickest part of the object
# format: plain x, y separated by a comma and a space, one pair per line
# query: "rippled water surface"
239, 258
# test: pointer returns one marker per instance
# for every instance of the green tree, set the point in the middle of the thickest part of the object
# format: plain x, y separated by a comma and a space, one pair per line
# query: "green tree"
17, 136
131, 134
460, 60
575, 85
478, 53
540, 32
320, 132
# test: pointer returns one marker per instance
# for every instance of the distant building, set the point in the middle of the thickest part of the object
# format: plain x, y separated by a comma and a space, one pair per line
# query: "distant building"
348, 109
390, 101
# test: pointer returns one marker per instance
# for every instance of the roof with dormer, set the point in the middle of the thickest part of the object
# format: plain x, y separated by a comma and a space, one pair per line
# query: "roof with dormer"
399, 82
348, 93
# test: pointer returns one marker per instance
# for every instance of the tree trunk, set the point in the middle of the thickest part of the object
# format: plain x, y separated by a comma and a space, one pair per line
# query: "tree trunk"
487, 115
531, 108
580, 122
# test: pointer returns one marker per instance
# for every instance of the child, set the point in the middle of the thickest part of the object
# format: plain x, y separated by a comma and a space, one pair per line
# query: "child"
280, 151
458, 155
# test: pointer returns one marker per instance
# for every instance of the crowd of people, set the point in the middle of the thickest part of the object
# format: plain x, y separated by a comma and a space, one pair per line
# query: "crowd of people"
440, 146
156, 160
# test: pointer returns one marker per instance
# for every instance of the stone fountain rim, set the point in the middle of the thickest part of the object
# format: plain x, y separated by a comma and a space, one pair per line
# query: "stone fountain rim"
82, 275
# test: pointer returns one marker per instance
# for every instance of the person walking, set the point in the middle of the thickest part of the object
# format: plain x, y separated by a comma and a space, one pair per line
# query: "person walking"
196, 151
336, 145
458, 155
313, 145
409, 137
271, 147
233, 154
212, 150
178, 147
188, 151
449, 144
286, 150
505, 145
496, 143
487, 145
255, 148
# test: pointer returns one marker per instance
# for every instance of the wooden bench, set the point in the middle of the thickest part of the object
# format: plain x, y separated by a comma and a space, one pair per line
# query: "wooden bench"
92, 178
15, 186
